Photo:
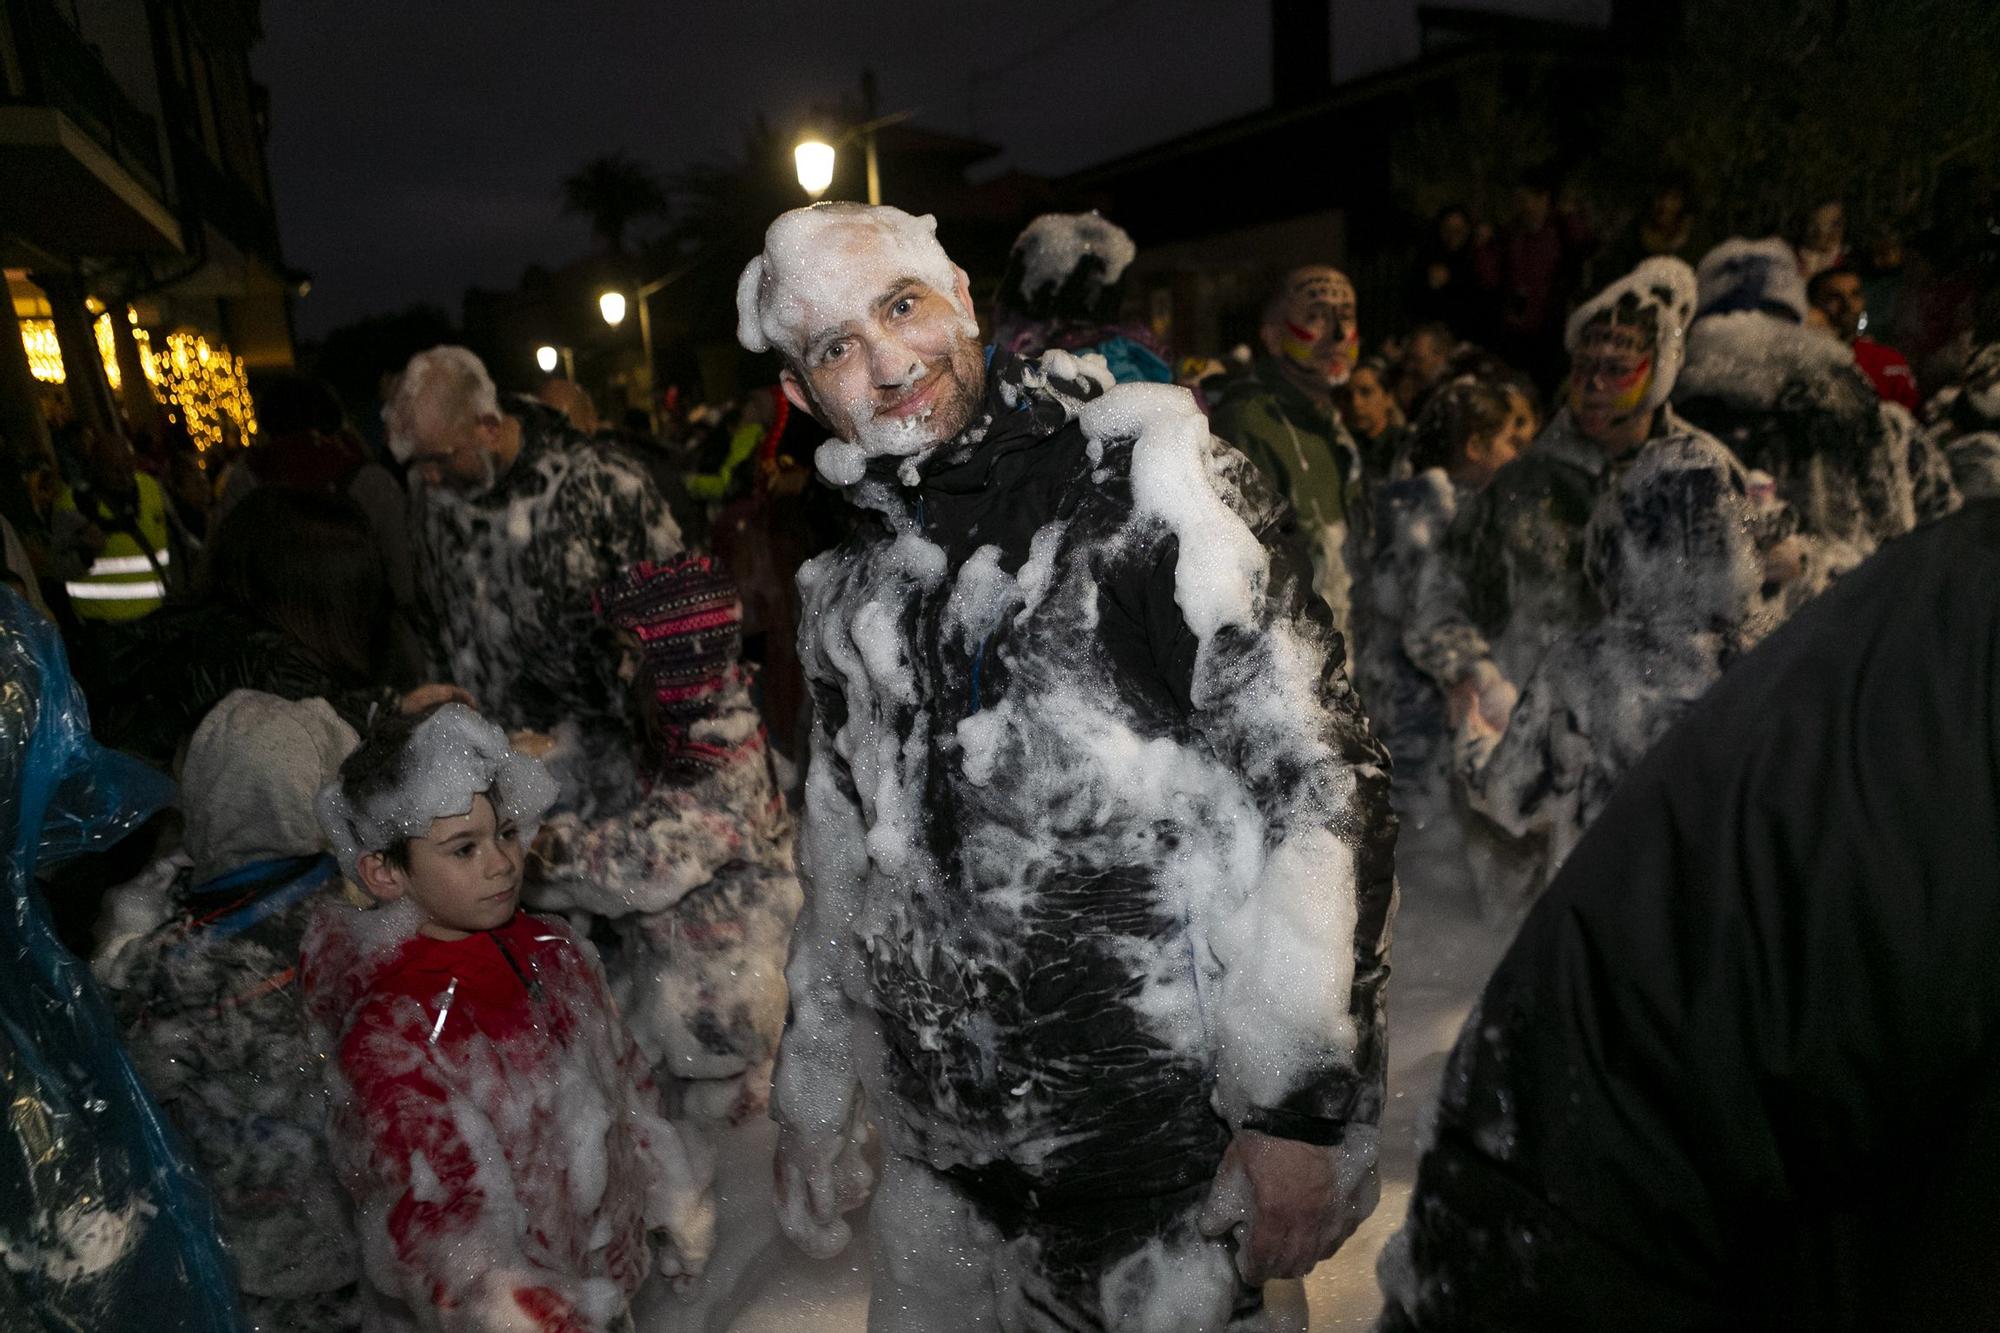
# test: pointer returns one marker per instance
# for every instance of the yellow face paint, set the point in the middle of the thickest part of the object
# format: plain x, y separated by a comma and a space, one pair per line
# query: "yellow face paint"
1621, 395
1301, 345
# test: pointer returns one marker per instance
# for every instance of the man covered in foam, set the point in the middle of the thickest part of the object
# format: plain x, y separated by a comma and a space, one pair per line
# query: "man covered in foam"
497, 1127
1097, 845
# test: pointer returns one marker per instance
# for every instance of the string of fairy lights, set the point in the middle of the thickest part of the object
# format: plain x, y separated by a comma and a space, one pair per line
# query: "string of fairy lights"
200, 383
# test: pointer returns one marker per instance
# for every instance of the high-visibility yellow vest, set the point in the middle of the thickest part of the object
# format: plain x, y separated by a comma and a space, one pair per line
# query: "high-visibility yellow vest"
124, 583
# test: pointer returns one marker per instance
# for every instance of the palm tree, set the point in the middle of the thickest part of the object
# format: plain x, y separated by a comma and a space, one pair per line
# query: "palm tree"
613, 191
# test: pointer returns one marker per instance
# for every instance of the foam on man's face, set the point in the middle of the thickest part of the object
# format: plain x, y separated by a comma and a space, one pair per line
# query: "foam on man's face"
900, 379
875, 316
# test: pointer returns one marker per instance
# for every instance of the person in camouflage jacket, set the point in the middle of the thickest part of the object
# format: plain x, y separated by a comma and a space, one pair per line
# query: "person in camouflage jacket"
520, 518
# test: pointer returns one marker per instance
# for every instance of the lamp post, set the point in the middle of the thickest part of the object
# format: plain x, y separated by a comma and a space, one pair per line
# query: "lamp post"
611, 304
548, 355
813, 157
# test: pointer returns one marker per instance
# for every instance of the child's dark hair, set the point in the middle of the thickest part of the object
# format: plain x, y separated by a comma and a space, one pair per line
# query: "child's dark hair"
1458, 412
380, 765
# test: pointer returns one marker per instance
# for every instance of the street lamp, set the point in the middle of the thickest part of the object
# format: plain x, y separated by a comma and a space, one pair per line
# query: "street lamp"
548, 355
612, 306
814, 155
814, 158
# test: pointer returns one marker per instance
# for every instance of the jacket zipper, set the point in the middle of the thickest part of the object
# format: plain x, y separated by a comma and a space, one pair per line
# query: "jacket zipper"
532, 984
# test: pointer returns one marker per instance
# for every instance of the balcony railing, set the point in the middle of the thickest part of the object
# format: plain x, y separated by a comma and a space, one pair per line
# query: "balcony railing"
60, 70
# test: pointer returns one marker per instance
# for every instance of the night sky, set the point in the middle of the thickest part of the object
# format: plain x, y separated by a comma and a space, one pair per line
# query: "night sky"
418, 148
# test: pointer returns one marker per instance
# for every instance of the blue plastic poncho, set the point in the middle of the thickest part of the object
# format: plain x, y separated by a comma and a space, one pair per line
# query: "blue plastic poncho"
103, 1225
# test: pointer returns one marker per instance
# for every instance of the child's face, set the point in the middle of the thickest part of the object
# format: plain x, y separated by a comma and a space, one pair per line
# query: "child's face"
465, 874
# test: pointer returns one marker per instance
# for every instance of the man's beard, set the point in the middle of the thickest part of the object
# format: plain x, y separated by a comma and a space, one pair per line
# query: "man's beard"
902, 436
454, 488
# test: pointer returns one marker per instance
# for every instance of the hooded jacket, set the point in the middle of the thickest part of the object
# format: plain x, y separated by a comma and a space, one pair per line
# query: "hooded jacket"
495, 1125
1304, 451
209, 1003
1672, 553
1736, 1069
1790, 402
1097, 844
505, 577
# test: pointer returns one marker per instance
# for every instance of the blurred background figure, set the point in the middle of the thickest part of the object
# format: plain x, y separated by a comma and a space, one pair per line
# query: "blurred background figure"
1063, 290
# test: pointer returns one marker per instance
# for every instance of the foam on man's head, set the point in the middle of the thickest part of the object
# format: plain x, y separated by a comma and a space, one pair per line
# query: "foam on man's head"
831, 263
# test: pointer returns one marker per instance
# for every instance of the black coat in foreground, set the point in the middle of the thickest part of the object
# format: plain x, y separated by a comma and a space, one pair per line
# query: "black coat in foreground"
1738, 1070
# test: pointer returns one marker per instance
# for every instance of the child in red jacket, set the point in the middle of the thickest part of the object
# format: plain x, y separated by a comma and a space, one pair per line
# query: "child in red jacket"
495, 1124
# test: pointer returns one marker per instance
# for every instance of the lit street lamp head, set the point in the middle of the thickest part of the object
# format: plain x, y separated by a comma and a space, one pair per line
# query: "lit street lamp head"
612, 306
546, 357
815, 164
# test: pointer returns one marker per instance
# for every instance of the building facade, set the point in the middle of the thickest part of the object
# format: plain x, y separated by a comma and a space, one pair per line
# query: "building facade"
137, 233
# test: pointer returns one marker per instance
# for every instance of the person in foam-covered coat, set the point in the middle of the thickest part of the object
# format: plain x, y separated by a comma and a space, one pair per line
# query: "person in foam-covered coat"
1097, 845
1062, 289
209, 1002
1672, 550
1512, 578
1790, 402
1965, 424
696, 875
518, 518
497, 1127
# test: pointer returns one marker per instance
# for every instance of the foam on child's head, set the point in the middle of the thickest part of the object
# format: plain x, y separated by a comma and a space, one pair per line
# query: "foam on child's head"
451, 757
830, 263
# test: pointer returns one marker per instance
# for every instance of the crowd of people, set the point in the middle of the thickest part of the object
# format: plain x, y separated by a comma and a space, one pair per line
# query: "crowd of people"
1058, 734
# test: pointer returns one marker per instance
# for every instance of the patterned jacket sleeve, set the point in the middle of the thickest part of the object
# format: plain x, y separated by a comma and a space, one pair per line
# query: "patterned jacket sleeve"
1523, 782
1300, 959
611, 515
1441, 634
640, 861
816, 1086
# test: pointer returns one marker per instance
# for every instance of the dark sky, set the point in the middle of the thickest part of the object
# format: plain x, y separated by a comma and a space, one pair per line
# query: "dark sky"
417, 147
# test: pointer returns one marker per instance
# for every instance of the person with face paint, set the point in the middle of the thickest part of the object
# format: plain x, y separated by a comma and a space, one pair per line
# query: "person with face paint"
1096, 843
1511, 580
519, 518
1281, 412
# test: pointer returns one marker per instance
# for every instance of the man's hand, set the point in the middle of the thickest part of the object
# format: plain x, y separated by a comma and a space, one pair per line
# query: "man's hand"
815, 1184
536, 743
429, 696
1785, 562
1291, 1204
1483, 691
